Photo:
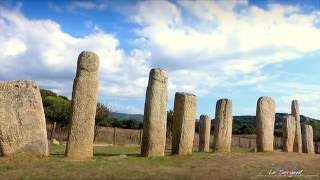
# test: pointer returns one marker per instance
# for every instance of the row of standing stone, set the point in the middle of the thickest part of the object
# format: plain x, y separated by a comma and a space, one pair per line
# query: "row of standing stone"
155, 119
23, 128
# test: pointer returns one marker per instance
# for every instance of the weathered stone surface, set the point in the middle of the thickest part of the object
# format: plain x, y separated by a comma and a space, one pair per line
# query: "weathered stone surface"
297, 146
183, 127
307, 139
84, 104
223, 126
265, 118
22, 121
204, 133
288, 133
155, 114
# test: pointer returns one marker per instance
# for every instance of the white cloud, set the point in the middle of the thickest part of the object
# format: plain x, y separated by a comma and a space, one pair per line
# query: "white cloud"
40, 50
309, 103
307, 94
205, 43
12, 47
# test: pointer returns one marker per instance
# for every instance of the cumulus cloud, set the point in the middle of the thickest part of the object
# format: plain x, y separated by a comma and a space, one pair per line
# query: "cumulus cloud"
40, 50
307, 95
287, 90
205, 43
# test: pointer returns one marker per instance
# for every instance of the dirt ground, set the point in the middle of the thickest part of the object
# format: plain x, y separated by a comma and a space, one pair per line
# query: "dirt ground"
121, 162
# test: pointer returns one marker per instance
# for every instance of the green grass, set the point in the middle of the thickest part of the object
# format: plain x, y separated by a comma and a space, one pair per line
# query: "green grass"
106, 164
104, 154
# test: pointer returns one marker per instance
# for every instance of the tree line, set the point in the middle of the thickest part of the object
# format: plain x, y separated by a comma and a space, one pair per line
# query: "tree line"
57, 108
240, 125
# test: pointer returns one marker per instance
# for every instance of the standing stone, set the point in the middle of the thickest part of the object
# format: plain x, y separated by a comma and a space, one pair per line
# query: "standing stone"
84, 104
297, 146
265, 118
204, 133
22, 121
183, 127
307, 139
155, 114
223, 126
288, 133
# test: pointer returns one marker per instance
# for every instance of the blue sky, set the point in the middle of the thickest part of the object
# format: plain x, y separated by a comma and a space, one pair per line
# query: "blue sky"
215, 49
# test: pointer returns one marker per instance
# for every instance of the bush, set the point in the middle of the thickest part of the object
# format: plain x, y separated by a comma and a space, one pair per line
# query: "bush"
132, 124
56, 109
103, 115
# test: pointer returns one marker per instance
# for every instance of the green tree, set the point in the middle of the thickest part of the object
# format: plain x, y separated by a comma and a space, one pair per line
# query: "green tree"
44, 93
245, 129
116, 123
103, 114
57, 109
132, 124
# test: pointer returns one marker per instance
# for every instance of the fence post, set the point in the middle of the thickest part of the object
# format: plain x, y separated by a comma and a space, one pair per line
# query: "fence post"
53, 131
239, 141
114, 135
140, 137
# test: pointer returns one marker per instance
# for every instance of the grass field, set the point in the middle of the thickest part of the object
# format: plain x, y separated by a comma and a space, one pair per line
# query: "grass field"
107, 164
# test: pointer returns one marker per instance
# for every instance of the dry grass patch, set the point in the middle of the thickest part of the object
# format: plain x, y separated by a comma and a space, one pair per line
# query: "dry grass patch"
108, 164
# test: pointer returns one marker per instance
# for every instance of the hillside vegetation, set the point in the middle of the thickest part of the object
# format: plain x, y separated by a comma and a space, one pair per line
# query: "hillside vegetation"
247, 124
57, 108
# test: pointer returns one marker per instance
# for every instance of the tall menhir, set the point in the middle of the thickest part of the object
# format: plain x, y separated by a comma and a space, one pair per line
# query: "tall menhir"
155, 114
223, 126
84, 104
265, 118
183, 127
297, 146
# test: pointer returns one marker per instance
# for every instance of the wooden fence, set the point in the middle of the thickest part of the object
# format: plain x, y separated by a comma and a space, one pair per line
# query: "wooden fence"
120, 136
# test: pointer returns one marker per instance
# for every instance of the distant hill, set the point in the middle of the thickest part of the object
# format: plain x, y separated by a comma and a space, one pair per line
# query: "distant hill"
244, 124
244, 119
125, 116
251, 120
